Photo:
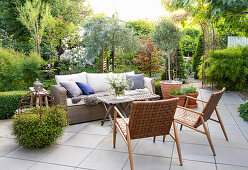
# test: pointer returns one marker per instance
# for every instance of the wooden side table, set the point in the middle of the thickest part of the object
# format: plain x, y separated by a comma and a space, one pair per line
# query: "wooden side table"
35, 97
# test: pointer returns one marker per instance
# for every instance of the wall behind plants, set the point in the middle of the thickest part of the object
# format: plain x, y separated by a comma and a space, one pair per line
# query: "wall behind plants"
18, 71
227, 68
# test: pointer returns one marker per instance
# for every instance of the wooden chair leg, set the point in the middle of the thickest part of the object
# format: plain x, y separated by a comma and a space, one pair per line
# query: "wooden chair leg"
177, 143
181, 127
154, 139
208, 136
114, 129
221, 123
164, 138
130, 150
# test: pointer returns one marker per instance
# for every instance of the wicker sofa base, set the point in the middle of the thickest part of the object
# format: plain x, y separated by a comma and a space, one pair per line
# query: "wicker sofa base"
85, 113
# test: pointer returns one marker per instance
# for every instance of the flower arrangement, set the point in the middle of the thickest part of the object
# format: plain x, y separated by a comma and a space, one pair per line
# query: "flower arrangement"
118, 84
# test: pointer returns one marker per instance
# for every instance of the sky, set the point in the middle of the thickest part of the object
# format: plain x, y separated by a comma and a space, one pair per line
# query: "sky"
129, 9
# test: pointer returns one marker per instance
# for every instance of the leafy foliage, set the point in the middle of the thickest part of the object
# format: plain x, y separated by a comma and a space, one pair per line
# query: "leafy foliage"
142, 28
190, 89
18, 71
148, 58
227, 68
33, 131
243, 110
158, 90
103, 34
197, 56
176, 92
188, 41
9, 103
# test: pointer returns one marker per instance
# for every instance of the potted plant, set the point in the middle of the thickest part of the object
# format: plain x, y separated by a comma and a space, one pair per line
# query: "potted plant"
166, 37
192, 92
178, 94
118, 84
39, 127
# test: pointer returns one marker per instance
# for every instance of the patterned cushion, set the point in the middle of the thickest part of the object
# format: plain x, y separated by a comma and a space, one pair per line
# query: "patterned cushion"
136, 81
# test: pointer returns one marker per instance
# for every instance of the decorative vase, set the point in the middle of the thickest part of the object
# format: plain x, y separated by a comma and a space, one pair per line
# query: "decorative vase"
167, 86
119, 93
182, 98
191, 102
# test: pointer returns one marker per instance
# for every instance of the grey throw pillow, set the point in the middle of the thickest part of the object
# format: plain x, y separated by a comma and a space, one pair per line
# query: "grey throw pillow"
72, 88
136, 80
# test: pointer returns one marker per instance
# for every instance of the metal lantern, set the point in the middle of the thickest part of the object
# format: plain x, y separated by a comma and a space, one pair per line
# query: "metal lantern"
38, 86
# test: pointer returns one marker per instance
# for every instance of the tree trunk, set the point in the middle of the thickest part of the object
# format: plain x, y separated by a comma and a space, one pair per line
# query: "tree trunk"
169, 74
113, 59
60, 52
102, 60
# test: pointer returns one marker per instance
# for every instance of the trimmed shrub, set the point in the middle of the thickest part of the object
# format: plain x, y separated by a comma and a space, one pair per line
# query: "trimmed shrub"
9, 103
197, 56
227, 68
243, 110
33, 131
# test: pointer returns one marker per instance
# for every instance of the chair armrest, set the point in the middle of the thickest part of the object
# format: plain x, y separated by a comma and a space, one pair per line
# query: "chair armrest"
60, 94
150, 84
119, 113
189, 110
196, 99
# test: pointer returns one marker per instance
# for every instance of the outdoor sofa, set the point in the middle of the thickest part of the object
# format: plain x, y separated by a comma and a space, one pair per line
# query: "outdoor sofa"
81, 111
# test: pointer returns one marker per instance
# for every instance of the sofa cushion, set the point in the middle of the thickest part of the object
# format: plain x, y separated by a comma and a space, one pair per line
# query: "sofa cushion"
136, 81
71, 88
86, 89
80, 77
98, 81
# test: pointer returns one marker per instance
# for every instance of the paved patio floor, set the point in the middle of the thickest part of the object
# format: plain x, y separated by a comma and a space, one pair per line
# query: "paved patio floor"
89, 146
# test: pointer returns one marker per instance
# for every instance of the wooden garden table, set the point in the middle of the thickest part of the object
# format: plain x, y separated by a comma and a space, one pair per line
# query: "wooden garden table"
111, 101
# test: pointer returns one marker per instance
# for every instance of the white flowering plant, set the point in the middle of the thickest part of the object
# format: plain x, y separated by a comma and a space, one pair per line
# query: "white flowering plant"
119, 84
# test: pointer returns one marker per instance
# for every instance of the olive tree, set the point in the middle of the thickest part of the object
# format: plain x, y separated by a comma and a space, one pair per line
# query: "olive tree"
166, 37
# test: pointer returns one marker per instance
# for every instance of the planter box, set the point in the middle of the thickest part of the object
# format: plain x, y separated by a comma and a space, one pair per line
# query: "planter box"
166, 87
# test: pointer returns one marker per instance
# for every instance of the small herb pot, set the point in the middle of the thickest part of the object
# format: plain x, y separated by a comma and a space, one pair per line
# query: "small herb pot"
182, 98
191, 102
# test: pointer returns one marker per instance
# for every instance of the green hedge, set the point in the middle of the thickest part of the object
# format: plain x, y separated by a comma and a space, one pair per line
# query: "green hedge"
158, 90
9, 103
227, 68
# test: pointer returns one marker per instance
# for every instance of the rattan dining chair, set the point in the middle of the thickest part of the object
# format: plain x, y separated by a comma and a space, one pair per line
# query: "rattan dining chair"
147, 119
193, 119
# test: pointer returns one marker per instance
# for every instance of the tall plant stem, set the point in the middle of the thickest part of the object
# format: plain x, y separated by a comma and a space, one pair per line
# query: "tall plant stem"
169, 66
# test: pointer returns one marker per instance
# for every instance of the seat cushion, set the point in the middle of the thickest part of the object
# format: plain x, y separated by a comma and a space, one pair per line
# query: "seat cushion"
187, 117
86, 89
98, 81
122, 125
80, 77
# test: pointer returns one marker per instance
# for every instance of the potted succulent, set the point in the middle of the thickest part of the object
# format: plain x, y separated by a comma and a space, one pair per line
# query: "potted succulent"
166, 37
192, 92
178, 94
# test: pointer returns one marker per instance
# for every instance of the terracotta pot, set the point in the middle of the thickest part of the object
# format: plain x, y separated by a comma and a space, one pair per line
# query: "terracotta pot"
166, 87
191, 102
182, 98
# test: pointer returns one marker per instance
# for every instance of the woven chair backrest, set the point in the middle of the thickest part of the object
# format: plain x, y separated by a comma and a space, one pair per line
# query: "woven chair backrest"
151, 118
210, 106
